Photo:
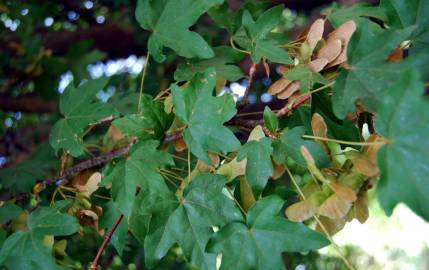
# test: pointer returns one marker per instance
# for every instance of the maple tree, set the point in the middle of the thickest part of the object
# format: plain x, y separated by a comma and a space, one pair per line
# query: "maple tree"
179, 165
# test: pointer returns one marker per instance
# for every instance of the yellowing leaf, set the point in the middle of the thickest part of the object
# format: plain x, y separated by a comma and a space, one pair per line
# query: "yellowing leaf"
289, 90
315, 33
344, 192
331, 50
246, 194
300, 211
233, 169
334, 207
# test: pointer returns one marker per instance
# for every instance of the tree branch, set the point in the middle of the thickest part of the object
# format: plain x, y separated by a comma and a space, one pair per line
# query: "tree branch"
106, 241
26, 103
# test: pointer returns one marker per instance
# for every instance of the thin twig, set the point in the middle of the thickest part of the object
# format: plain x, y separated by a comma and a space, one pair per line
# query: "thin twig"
245, 99
106, 241
146, 64
344, 142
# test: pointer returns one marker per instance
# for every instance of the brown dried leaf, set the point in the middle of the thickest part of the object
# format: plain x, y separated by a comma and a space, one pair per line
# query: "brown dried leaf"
233, 169
331, 50
334, 207
372, 150
179, 145
361, 207
203, 167
246, 194
282, 69
91, 185
332, 226
289, 90
365, 166
343, 33
81, 178
278, 170
300, 211
317, 64
396, 55
278, 86
307, 155
318, 125
344, 192
315, 33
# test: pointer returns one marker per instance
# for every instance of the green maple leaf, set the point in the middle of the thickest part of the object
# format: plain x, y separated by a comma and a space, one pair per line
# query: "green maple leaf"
258, 167
369, 74
257, 33
403, 162
169, 21
259, 242
357, 12
289, 145
27, 250
187, 221
204, 116
150, 123
22, 177
9, 211
401, 14
270, 120
138, 169
80, 109
224, 56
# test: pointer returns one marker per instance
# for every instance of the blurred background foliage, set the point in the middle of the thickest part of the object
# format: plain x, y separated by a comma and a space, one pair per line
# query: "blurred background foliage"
45, 45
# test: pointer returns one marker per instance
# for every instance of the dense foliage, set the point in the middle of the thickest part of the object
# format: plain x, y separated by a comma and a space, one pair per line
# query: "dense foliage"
177, 166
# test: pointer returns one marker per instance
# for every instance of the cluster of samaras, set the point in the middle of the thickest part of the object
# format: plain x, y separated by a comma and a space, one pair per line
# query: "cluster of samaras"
339, 193
317, 54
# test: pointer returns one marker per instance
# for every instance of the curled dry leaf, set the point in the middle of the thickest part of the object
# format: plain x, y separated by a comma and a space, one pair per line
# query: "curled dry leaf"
343, 33
396, 55
330, 51
318, 125
334, 207
115, 133
300, 211
289, 90
307, 155
317, 64
246, 194
360, 207
278, 170
344, 192
278, 86
332, 226
180, 145
315, 33
91, 185
203, 167
233, 169
365, 166
372, 150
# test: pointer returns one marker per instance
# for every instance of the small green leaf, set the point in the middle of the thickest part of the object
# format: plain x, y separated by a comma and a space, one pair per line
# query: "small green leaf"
27, 250
403, 162
80, 109
150, 123
187, 221
307, 77
258, 167
222, 62
138, 169
110, 214
289, 145
9, 211
169, 21
258, 243
204, 116
270, 120
357, 12
401, 14
257, 39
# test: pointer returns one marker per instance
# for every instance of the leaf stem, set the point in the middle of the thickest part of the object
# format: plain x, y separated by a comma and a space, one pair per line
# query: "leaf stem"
231, 41
146, 64
345, 142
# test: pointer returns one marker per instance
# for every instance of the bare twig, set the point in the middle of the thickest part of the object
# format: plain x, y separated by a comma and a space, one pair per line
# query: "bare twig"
106, 241
245, 99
